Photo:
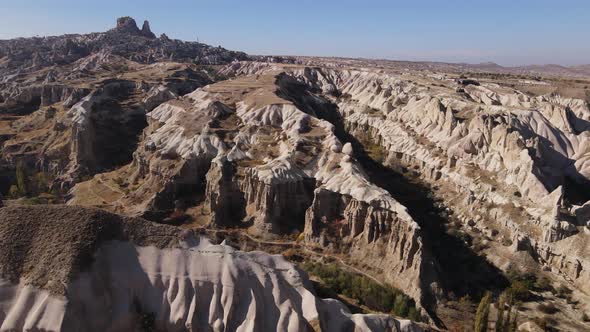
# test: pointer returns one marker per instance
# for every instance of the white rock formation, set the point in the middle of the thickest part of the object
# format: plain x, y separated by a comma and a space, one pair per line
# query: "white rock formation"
269, 161
140, 269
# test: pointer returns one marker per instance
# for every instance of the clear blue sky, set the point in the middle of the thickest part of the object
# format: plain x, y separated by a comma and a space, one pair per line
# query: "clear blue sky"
507, 32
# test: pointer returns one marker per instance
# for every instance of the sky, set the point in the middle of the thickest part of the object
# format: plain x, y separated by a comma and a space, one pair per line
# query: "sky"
510, 33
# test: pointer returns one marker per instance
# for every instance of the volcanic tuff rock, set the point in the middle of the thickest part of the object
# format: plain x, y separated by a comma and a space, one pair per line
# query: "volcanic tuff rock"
24, 55
370, 163
261, 151
128, 25
492, 146
77, 127
121, 270
504, 147
83, 84
249, 154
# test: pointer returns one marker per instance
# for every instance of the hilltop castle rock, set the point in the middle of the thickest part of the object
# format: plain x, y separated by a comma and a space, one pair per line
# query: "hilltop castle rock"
127, 25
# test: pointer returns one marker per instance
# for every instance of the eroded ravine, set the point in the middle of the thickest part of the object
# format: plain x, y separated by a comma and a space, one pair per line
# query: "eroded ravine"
380, 170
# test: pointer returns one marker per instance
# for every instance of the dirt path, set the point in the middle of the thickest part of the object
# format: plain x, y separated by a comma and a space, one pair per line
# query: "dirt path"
299, 245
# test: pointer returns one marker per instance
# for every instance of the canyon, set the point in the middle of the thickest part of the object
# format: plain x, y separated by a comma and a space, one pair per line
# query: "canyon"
436, 182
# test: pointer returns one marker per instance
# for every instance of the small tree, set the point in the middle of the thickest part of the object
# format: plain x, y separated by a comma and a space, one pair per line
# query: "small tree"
483, 311
506, 323
500, 320
21, 178
13, 192
514, 323
41, 184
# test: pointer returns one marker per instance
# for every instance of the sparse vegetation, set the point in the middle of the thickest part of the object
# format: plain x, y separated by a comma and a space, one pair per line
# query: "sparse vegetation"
376, 152
563, 292
521, 285
30, 185
546, 323
22, 179
507, 315
548, 308
482, 314
543, 284
366, 291
14, 192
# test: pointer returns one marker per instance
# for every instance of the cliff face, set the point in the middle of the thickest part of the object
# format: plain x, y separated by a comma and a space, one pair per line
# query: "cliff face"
120, 274
369, 165
493, 149
264, 160
264, 151
72, 106
75, 131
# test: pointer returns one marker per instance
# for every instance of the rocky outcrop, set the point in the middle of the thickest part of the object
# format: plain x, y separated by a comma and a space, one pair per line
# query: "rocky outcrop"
500, 149
516, 163
378, 236
24, 100
127, 273
267, 163
156, 96
267, 142
126, 40
224, 198
146, 31
43, 82
69, 131
127, 25
276, 201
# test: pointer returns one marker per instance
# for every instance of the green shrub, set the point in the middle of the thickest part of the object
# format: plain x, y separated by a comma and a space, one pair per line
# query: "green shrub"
521, 285
563, 292
519, 290
543, 284
33, 201
22, 179
29, 183
366, 291
548, 308
13, 192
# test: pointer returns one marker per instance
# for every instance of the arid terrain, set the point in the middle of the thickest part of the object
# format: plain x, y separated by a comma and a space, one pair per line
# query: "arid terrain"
153, 184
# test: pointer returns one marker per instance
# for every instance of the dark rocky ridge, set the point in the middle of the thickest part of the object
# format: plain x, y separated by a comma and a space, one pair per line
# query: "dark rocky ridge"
64, 239
126, 40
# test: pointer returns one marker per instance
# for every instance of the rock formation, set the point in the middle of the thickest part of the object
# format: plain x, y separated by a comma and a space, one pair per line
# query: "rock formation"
146, 31
126, 25
119, 274
268, 162
69, 138
126, 40
428, 180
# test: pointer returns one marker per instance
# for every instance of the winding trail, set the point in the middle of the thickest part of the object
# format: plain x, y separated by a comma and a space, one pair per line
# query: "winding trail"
292, 244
